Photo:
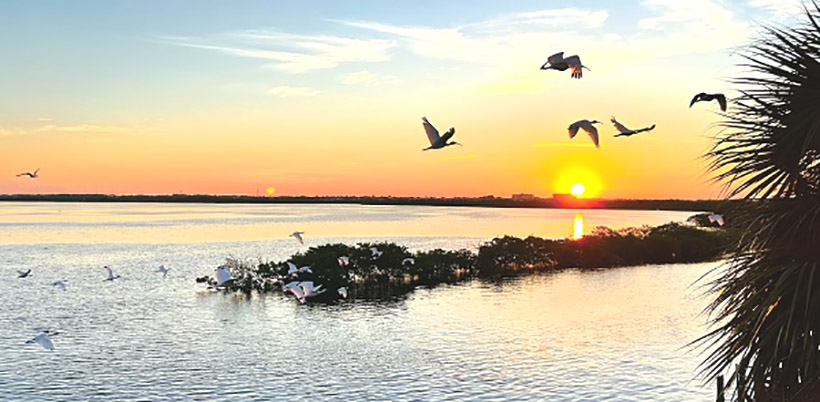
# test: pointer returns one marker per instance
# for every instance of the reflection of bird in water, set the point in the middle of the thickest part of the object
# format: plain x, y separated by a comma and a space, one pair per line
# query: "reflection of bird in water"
298, 236
704, 97
29, 174
560, 63
587, 126
716, 218
23, 274
164, 269
60, 284
436, 141
626, 132
375, 252
43, 340
109, 274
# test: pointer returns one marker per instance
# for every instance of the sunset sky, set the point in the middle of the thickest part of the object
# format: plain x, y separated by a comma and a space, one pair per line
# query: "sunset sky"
325, 97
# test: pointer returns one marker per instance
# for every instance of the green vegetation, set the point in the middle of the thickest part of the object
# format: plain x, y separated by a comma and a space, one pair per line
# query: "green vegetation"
389, 275
765, 311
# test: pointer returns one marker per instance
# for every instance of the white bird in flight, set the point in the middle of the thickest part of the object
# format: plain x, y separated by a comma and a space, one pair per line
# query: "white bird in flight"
293, 287
292, 269
109, 274
60, 284
436, 141
561, 63
343, 260
716, 218
223, 276
29, 174
43, 340
408, 261
342, 292
164, 269
626, 132
587, 126
375, 252
298, 236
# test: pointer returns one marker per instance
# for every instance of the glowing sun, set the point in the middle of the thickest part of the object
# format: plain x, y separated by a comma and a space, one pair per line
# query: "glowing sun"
577, 189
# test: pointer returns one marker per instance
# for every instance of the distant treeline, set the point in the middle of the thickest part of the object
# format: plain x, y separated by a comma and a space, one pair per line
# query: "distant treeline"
388, 270
488, 201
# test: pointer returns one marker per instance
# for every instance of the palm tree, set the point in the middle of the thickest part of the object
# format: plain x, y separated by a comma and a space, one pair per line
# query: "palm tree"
766, 310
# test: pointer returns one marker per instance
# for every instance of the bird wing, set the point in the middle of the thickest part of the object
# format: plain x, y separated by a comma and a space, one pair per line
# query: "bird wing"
307, 287
222, 276
297, 291
291, 267
43, 341
298, 237
432, 133
556, 58
619, 126
449, 134
722, 101
696, 99
38, 169
109, 273
593, 133
573, 129
573, 61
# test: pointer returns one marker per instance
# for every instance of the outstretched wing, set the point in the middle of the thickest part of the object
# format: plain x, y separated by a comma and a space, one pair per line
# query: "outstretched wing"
722, 101
108, 273
432, 133
573, 129
696, 99
38, 169
620, 127
554, 59
593, 133
222, 276
449, 134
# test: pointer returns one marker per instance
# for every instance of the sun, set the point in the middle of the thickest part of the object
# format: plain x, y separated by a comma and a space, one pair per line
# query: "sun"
577, 189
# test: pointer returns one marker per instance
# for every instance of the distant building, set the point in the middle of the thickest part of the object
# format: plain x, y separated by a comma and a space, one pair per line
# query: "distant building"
524, 197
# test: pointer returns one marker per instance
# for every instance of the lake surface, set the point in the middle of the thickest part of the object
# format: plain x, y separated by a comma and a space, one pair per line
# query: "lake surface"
616, 334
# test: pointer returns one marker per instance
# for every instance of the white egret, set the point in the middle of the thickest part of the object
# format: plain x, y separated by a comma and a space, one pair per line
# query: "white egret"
587, 126
292, 270
704, 97
342, 291
343, 260
436, 141
223, 276
716, 218
164, 269
109, 274
298, 236
30, 174
305, 270
43, 340
408, 261
23, 274
626, 132
60, 284
375, 252
561, 63
294, 288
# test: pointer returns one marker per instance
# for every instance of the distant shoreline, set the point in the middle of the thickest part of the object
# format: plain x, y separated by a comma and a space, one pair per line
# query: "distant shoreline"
487, 202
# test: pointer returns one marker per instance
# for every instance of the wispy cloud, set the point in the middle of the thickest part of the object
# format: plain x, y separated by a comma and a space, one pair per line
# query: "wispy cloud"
367, 77
780, 9
292, 53
562, 145
286, 91
92, 128
8, 132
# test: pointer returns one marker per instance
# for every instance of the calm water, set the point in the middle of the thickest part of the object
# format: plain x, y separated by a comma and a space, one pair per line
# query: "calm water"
618, 334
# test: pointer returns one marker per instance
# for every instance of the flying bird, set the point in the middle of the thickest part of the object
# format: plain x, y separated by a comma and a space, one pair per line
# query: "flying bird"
292, 269
43, 340
587, 126
294, 288
164, 269
408, 261
626, 132
304, 270
343, 260
29, 174
560, 63
60, 284
436, 141
223, 276
23, 274
375, 252
109, 274
716, 218
704, 97
298, 236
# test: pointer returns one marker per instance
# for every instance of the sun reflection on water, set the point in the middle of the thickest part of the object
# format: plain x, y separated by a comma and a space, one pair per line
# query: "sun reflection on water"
578, 227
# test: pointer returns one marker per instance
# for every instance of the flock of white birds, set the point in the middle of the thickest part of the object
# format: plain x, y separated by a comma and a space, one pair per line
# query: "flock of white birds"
573, 63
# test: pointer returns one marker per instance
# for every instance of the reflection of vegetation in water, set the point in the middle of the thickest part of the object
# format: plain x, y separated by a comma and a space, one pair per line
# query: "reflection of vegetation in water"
389, 274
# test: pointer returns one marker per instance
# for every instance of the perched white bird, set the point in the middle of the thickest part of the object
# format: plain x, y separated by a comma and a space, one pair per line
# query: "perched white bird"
60, 284
587, 126
561, 63
298, 236
23, 274
436, 141
375, 252
716, 218
164, 269
43, 340
29, 174
704, 97
342, 292
109, 274
222, 275
343, 260
626, 132
292, 270
408, 261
